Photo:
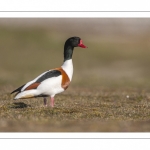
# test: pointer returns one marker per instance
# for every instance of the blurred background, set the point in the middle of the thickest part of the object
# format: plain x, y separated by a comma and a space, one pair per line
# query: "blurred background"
117, 55
111, 81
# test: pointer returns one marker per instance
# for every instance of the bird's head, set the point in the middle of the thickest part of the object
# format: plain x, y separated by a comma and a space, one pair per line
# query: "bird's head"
75, 42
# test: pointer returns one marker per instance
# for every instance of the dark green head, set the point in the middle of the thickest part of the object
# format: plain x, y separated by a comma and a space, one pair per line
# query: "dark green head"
69, 46
75, 42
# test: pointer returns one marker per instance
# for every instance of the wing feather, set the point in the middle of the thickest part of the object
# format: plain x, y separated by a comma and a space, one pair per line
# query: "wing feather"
35, 83
18, 89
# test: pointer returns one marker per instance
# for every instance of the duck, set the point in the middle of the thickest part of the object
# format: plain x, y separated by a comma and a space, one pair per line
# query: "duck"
53, 81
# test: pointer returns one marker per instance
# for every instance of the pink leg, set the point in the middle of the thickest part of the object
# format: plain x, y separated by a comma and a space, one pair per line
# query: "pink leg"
45, 101
52, 101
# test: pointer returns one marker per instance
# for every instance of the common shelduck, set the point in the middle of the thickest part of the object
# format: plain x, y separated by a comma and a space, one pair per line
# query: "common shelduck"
53, 81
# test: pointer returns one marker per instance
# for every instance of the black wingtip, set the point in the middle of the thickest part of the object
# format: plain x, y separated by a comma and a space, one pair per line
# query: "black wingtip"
13, 91
18, 89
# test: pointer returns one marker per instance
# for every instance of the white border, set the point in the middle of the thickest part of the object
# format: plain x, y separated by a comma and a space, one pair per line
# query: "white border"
75, 141
75, 135
115, 9
77, 5
74, 14
73, 9
75, 144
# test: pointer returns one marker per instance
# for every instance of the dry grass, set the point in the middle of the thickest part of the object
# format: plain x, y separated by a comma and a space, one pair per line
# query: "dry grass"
105, 75
79, 109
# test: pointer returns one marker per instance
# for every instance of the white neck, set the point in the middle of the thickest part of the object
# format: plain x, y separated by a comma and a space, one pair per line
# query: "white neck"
68, 68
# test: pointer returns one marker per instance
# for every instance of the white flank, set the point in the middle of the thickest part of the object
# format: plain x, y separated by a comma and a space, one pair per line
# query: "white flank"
50, 86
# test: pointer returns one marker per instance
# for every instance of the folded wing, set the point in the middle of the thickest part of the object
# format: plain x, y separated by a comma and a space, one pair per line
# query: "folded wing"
37, 81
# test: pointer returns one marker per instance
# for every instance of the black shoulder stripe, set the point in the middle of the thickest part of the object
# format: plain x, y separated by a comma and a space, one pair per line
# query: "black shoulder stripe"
49, 74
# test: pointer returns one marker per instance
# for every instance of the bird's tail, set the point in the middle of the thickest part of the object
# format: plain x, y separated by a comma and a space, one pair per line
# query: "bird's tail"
26, 94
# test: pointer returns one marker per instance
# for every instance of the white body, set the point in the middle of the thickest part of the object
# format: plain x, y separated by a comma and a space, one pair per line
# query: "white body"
50, 86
